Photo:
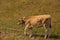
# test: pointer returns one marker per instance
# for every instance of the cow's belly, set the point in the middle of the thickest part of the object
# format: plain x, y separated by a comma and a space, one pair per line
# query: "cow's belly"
35, 24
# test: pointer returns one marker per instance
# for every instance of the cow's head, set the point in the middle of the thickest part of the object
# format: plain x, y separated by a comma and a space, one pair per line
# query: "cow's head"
21, 20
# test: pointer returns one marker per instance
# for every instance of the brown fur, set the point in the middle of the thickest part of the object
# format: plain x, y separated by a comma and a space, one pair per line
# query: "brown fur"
34, 21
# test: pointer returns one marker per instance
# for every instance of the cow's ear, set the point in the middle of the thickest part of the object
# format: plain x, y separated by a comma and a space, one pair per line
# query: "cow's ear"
23, 17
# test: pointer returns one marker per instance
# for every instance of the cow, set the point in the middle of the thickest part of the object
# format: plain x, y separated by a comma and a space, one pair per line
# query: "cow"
36, 21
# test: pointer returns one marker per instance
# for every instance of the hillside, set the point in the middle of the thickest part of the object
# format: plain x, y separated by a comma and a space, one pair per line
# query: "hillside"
11, 10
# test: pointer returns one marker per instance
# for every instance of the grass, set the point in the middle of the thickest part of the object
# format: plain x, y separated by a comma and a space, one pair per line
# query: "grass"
11, 10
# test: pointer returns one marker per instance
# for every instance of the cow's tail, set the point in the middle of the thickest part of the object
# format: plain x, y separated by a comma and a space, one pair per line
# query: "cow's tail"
50, 23
50, 26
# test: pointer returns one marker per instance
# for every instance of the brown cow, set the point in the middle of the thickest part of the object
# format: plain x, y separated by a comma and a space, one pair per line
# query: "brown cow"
36, 21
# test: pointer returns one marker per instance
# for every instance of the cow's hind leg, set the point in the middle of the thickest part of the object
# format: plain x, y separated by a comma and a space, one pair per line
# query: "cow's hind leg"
46, 33
47, 29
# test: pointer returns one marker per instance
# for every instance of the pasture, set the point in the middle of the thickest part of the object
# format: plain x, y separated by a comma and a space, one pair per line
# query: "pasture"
11, 10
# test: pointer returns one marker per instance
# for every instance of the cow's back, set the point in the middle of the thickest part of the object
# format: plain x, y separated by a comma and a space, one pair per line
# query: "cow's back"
36, 19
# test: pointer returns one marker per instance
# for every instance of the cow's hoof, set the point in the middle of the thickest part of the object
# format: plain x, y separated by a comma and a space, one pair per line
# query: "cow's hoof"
46, 37
30, 36
25, 34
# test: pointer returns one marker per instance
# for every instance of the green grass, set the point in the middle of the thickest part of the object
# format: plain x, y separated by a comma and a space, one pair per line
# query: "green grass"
11, 10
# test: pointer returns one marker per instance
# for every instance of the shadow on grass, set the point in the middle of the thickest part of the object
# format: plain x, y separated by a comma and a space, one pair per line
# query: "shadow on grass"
55, 36
37, 35
51, 36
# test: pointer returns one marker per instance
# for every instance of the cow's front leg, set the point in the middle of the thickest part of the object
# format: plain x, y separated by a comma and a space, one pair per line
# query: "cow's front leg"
31, 32
25, 30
